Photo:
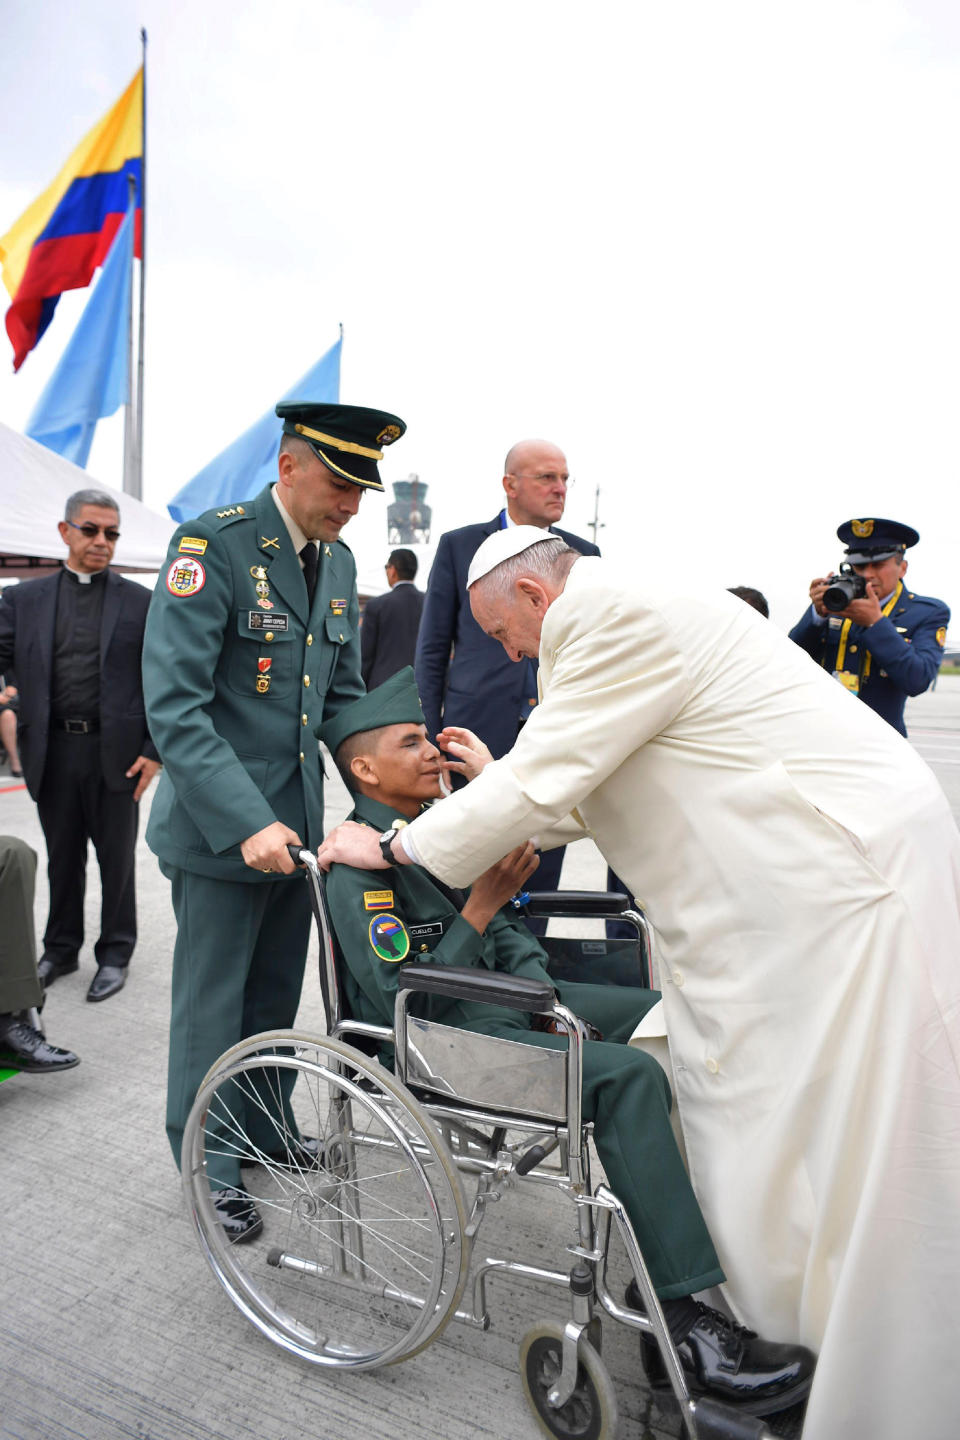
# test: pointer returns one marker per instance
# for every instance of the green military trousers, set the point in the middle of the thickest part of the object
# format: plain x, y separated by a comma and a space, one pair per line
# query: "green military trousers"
627, 1096
238, 968
19, 987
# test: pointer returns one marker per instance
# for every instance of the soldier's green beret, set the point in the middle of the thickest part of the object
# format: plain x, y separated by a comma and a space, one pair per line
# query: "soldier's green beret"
347, 438
395, 702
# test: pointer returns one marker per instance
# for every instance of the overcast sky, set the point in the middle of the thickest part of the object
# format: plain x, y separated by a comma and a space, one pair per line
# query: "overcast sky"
710, 249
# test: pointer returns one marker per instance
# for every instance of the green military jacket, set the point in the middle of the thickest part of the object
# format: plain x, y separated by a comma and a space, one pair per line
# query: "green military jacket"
385, 917
238, 671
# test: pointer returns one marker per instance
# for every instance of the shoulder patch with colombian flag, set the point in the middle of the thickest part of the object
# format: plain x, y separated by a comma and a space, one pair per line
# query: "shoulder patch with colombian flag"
388, 939
190, 545
377, 899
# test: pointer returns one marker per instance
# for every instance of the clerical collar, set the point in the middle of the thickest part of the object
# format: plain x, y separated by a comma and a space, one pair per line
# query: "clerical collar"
84, 579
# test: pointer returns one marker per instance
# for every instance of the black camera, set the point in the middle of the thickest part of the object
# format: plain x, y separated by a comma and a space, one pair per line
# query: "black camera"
843, 588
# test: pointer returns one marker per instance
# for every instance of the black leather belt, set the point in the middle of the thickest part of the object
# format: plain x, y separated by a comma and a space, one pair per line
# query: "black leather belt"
75, 727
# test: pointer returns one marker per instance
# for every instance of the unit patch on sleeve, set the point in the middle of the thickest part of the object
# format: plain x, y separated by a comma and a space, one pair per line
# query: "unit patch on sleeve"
186, 577
189, 545
377, 899
388, 939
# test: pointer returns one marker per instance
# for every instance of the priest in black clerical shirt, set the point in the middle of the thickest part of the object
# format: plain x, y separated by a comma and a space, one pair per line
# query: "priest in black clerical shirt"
74, 640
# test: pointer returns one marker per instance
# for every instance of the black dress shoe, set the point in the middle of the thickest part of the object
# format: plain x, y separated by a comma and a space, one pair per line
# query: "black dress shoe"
237, 1214
23, 1048
304, 1154
49, 969
107, 981
727, 1361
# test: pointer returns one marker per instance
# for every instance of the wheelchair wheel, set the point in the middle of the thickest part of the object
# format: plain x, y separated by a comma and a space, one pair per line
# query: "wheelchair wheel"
591, 1411
362, 1257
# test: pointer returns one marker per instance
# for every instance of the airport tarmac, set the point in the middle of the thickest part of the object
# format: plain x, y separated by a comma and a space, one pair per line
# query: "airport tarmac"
112, 1327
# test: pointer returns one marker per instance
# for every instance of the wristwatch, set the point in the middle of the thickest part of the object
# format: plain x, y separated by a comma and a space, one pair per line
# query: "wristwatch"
386, 840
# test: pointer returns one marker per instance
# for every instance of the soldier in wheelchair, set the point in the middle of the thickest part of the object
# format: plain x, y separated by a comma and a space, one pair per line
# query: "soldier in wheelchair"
405, 941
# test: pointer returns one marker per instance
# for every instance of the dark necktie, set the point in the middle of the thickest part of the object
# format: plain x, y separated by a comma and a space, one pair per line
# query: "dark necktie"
310, 561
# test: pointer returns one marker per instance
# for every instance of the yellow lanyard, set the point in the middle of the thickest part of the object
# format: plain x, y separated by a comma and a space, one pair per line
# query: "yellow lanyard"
845, 631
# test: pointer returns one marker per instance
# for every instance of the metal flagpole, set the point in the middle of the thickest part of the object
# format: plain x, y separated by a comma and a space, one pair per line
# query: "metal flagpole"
129, 431
136, 488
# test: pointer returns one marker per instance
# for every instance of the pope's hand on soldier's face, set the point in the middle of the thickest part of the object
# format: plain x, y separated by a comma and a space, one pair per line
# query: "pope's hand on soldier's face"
468, 752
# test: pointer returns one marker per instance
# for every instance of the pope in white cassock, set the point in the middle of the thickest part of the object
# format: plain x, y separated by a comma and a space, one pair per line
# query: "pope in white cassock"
801, 869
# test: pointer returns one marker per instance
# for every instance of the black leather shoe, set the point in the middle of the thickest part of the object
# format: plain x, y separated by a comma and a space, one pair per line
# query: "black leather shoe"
107, 981
237, 1214
49, 969
729, 1362
23, 1048
303, 1154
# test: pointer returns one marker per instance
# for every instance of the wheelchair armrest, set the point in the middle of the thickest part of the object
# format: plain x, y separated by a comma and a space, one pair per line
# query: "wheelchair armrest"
483, 986
581, 904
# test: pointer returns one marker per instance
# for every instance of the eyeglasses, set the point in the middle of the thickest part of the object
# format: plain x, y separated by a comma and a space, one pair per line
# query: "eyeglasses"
545, 477
110, 532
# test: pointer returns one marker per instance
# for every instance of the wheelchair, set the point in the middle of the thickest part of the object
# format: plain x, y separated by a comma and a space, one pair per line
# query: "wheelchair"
365, 1252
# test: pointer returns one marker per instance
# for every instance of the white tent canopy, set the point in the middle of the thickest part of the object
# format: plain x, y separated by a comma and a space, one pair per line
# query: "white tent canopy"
34, 486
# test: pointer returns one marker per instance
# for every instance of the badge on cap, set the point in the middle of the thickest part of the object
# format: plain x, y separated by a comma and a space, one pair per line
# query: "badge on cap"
388, 939
189, 545
185, 577
388, 434
942, 636
863, 529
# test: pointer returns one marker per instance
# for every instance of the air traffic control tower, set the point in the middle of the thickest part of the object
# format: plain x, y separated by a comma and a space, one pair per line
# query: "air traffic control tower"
408, 516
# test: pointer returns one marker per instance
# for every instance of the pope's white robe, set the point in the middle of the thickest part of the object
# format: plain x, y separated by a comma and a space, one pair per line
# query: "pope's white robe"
801, 870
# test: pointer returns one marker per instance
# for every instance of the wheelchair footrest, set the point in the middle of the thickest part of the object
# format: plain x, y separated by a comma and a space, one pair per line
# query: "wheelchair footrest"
716, 1421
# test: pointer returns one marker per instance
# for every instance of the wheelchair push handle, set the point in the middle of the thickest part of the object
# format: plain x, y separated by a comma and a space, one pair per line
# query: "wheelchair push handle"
296, 853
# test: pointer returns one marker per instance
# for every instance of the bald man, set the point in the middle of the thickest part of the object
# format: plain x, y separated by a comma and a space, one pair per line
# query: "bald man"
463, 676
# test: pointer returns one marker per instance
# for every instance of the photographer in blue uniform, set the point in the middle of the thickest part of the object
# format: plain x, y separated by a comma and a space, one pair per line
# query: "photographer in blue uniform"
881, 641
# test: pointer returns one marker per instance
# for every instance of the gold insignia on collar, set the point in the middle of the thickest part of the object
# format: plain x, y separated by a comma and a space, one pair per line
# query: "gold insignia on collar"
258, 572
328, 552
264, 542
863, 529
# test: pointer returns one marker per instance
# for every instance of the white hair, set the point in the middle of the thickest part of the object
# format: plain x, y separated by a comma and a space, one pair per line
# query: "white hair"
545, 559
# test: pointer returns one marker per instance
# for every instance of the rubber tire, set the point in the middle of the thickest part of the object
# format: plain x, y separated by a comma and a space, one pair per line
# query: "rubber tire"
591, 1411
247, 1279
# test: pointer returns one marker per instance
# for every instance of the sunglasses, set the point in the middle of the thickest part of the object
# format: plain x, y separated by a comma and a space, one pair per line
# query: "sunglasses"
110, 532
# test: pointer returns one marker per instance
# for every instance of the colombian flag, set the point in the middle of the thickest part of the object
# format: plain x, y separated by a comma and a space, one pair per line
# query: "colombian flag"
65, 234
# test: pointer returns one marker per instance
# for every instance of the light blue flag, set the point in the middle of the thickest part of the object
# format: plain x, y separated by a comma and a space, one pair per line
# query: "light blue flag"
243, 469
92, 378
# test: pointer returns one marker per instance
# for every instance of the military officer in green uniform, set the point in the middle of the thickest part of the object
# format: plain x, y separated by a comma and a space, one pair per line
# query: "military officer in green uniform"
385, 917
252, 640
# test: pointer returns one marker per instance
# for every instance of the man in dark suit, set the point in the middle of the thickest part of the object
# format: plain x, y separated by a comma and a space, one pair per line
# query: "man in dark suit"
388, 635
465, 677
74, 640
